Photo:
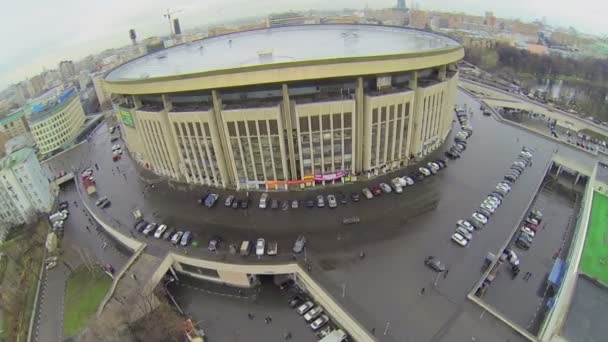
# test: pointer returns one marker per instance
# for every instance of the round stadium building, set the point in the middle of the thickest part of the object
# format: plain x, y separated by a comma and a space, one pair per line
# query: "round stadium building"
288, 107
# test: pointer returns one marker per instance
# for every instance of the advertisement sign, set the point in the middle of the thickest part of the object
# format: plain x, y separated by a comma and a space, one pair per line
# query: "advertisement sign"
127, 118
329, 176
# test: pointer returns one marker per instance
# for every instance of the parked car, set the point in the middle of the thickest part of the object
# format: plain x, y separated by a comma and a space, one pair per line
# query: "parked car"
245, 203
273, 248
465, 224
63, 205
295, 301
465, 233
319, 322
310, 203
522, 243
263, 201
480, 218
228, 201
489, 208
376, 190
320, 201
342, 198
260, 247
302, 309
313, 313
285, 205
459, 239
424, 171
295, 204
140, 226
274, 204
354, 197
168, 234
399, 181
396, 186
236, 203
211, 200
484, 212
214, 243
186, 238
177, 237
149, 228
100, 201
385, 188
331, 201
298, 246
351, 220
159, 231
434, 263
367, 193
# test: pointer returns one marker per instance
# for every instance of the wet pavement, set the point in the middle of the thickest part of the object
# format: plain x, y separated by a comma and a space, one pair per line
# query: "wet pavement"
396, 231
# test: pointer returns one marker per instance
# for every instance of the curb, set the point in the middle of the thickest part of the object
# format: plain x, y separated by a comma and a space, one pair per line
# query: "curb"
35, 305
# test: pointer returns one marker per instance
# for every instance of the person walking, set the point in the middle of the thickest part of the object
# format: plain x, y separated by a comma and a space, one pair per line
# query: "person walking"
422, 291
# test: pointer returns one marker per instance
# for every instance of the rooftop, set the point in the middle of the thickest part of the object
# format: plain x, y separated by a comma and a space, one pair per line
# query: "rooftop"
18, 114
53, 104
15, 158
280, 45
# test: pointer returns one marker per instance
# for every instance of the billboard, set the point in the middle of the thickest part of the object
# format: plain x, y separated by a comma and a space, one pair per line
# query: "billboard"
127, 118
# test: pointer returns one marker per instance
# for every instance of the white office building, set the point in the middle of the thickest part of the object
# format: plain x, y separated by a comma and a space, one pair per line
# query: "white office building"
25, 190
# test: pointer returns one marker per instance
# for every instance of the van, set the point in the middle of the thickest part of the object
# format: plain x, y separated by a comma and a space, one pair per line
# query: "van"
264, 201
245, 248
186, 239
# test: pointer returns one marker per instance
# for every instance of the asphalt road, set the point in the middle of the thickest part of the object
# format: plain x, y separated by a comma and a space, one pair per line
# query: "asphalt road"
78, 243
396, 231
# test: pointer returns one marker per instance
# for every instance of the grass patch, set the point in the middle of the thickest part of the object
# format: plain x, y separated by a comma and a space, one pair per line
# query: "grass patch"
594, 134
85, 291
594, 261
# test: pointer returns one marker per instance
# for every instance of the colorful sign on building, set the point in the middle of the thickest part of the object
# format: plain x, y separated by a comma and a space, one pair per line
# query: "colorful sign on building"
127, 118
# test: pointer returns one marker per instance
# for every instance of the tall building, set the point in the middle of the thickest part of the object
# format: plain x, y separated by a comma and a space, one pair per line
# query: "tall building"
401, 5
67, 70
370, 99
35, 85
102, 96
14, 124
57, 121
25, 190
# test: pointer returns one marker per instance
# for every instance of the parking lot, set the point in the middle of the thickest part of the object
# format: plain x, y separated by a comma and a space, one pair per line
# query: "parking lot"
522, 298
395, 232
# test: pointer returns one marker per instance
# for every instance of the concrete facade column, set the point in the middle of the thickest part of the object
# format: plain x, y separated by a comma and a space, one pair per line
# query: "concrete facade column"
289, 131
441, 73
217, 122
417, 114
559, 170
413, 84
359, 128
578, 177
169, 137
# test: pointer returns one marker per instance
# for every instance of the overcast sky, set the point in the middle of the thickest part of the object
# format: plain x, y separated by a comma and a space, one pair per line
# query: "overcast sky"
40, 33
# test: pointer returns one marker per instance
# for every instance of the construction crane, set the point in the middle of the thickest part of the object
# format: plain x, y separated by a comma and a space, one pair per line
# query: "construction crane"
168, 15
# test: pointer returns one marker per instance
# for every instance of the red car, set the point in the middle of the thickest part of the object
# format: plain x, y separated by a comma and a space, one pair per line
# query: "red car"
376, 190
533, 227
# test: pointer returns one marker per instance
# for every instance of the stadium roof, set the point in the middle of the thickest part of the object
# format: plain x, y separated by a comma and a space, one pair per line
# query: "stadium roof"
280, 45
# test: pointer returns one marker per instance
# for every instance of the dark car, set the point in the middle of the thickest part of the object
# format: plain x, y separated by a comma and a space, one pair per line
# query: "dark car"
214, 243
245, 203
522, 243
63, 205
105, 204
295, 301
169, 233
236, 204
139, 227
434, 263
274, 204
342, 198
418, 176
354, 197
376, 190
203, 197
484, 212
310, 203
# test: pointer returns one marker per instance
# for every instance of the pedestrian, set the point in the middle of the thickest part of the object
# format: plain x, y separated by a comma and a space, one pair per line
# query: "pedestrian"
373, 331
266, 320
422, 291
362, 255
445, 274
250, 315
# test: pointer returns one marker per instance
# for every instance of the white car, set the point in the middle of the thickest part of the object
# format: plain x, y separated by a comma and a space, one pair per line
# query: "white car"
480, 218
260, 246
319, 322
433, 166
488, 207
331, 201
160, 231
396, 186
494, 200
526, 154
494, 205
386, 188
263, 201
313, 313
503, 184
528, 231
367, 193
466, 225
459, 239
425, 171
409, 180
399, 180
465, 233
302, 309
115, 147
503, 187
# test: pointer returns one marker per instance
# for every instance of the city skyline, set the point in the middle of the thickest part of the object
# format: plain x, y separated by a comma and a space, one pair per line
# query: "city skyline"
100, 26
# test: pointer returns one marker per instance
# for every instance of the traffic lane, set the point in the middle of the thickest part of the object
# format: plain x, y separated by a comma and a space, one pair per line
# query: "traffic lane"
49, 323
78, 237
464, 184
225, 317
519, 299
